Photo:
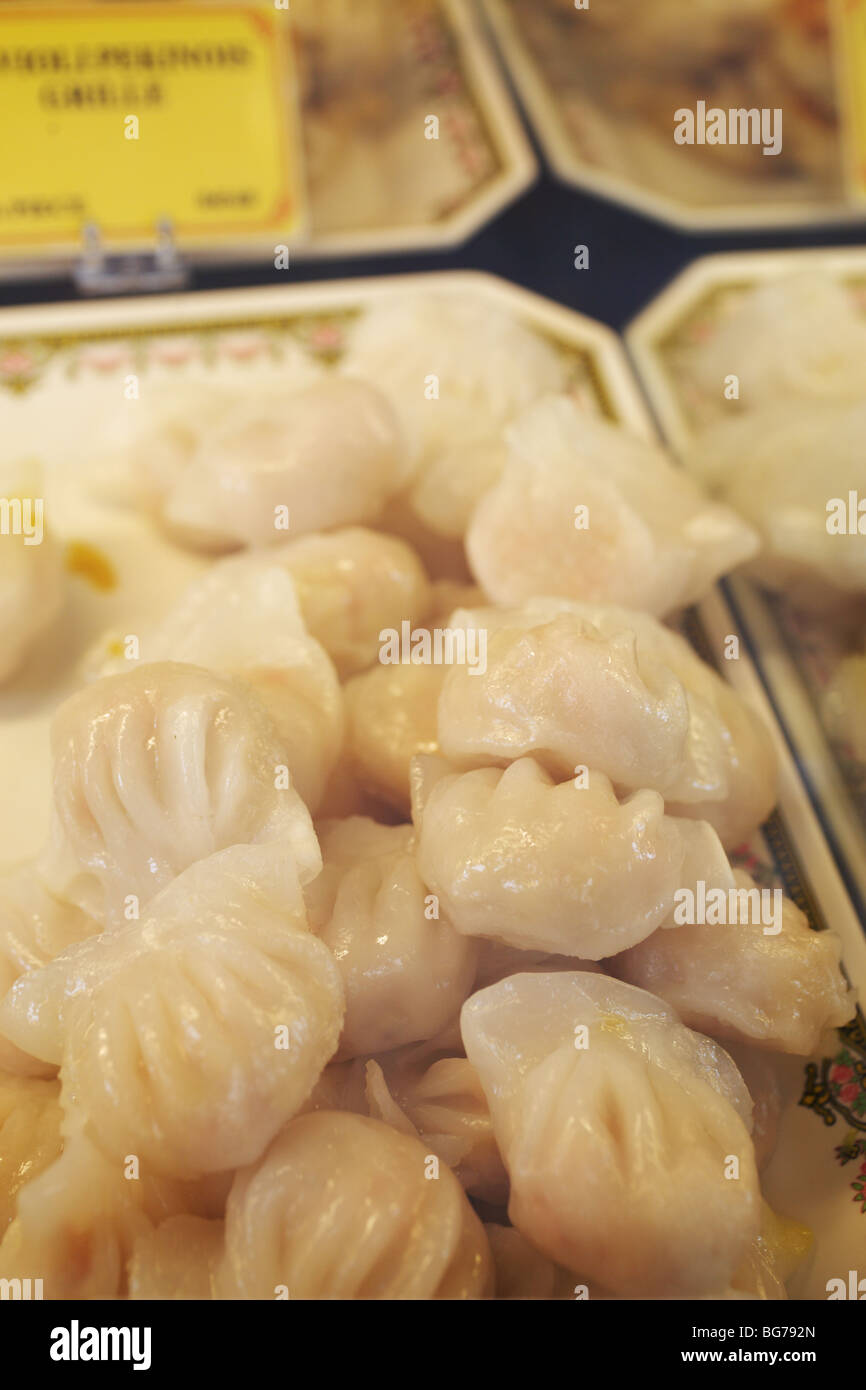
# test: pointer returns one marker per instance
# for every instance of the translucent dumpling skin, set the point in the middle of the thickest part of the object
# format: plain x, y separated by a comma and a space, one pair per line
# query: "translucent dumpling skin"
585, 510
406, 971
189, 1038
561, 868
248, 481
154, 770
625, 1136
340, 1208
606, 688
777, 984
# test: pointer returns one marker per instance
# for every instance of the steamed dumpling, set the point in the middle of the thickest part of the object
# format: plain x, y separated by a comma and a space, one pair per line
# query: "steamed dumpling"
454, 376
191, 1037
587, 685
515, 857
391, 714
32, 584
793, 339
340, 1207
35, 926
619, 1140
350, 585
243, 619
647, 539
779, 985
330, 454
406, 971
781, 468
156, 769
521, 1270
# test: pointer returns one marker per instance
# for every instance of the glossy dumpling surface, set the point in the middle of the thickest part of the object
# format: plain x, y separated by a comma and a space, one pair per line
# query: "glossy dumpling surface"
190, 1037
156, 769
340, 1208
617, 1126
585, 510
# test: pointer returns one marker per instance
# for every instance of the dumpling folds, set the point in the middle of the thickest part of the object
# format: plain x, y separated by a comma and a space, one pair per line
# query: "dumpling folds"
621, 1132
514, 857
35, 926
350, 585
446, 1108
776, 983
242, 619
329, 455
156, 769
340, 1207
191, 1037
405, 969
587, 685
585, 510
455, 371
32, 583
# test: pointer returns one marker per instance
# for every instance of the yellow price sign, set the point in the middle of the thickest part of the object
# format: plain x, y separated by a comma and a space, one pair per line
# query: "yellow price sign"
849, 18
126, 114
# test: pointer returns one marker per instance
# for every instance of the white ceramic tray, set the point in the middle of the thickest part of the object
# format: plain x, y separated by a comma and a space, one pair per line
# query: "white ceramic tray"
62, 372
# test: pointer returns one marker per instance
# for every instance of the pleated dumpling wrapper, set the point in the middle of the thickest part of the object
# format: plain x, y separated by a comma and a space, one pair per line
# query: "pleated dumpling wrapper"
189, 1038
248, 481
609, 689
405, 969
156, 769
586, 510
454, 377
344, 1207
243, 620
626, 1136
567, 868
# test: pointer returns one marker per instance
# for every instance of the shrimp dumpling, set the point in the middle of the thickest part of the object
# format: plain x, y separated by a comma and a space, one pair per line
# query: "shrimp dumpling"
329, 455
585, 510
617, 1126
486, 366
406, 971
350, 585
32, 585
35, 926
759, 977
189, 1038
788, 470
391, 714
340, 1208
589, 685
243, 619
561, 868
799, 338
156, 769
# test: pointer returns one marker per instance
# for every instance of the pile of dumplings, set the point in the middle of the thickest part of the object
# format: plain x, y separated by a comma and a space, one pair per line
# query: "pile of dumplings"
339, 979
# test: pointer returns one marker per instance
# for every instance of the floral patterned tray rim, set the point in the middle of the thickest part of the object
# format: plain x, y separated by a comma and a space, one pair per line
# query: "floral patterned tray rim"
558, 148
